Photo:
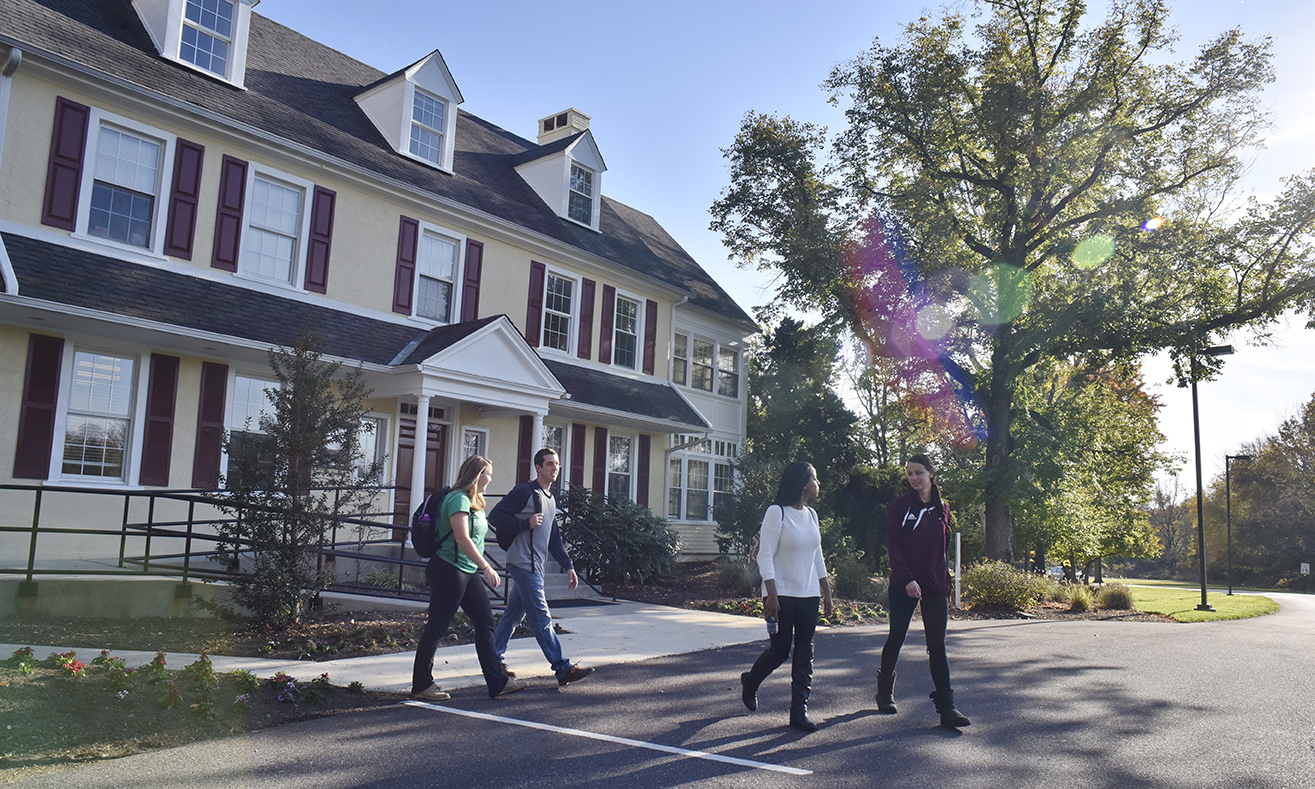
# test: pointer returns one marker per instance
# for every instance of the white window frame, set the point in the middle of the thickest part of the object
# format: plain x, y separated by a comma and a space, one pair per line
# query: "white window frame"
213, 33
571, 191
296, 275
629, 493
574, 317
711, 365
677, 359
639, 329
722, 376
169, 38
563, 452
136, 416
417, 93
481, 436
448, 131
707, 451
458, 273
231, 423
164, 180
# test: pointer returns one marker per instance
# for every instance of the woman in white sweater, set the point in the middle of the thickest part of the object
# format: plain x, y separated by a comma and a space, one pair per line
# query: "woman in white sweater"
793, 571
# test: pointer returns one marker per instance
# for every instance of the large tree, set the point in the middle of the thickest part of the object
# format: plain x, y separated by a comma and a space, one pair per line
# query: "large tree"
1021, 189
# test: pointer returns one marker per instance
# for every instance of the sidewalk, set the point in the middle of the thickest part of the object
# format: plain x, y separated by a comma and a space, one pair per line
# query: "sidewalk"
596, 635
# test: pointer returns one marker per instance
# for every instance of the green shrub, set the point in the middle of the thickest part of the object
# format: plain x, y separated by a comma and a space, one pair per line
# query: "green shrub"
739, 576
616, 540
1117, 597
1080, 599
994, 584
851, 578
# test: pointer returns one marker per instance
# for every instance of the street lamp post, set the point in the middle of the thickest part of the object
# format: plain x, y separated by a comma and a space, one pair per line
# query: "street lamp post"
1228, 508
1214, 350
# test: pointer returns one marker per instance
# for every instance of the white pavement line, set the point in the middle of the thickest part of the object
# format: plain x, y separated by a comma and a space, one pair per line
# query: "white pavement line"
716, 757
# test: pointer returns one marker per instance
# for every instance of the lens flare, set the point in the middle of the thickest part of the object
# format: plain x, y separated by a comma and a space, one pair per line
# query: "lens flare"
1093, 251
1000, 294
1154, 224
934, 322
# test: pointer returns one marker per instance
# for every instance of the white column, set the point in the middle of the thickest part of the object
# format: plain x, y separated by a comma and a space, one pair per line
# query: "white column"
418, 462
536, 441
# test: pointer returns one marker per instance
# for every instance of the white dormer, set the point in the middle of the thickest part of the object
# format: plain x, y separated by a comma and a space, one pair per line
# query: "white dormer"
566, 169
415, 109
209, 36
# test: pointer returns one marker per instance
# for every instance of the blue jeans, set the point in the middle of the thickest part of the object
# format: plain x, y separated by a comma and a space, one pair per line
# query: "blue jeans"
526, 600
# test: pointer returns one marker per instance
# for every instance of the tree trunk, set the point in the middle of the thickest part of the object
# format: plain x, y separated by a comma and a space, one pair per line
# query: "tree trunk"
999, 537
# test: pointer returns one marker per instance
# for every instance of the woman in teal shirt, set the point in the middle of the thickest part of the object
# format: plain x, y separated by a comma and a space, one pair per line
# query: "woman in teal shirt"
453, 583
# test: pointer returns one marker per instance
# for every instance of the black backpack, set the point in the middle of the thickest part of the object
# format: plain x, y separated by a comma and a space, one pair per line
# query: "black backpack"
506, 529
424, 526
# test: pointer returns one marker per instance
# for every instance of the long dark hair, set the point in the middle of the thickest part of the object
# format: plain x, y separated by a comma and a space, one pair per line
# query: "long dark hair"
793, 480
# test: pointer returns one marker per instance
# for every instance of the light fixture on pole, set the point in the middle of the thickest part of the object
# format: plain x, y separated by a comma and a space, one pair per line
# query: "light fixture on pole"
1214, 350
1228, 507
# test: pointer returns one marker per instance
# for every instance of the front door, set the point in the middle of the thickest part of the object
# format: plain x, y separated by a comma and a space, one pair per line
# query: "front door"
435, 478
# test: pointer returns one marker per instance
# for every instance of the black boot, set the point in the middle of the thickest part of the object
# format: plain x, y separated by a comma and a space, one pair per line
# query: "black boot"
886, 693
801, 684
951, 718
766, 663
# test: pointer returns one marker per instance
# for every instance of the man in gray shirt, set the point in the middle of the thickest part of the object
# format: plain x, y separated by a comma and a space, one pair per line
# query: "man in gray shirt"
531, 510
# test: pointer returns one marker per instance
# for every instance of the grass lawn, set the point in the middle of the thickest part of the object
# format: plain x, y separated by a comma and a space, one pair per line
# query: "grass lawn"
1180, 602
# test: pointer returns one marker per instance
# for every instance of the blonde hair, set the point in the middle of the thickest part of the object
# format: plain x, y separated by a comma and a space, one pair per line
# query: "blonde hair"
468, 479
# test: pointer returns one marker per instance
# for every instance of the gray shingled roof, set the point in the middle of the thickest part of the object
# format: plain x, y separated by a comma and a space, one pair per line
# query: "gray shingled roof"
302, 91
604, 390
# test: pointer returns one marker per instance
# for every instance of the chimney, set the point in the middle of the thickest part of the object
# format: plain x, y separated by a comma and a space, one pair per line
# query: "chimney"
562, 124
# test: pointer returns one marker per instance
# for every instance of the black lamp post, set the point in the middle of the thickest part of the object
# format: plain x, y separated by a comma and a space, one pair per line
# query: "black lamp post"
1214, 350
1228, 507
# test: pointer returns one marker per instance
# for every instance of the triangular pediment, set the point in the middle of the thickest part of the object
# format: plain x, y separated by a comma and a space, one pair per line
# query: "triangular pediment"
491, 365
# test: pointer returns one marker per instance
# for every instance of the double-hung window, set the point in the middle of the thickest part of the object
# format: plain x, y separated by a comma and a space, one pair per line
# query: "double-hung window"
728, 372
98, 423
436, 271
474, 441
701, 366
620, 463
208, 34
428, 122
680, 359
699, 479
580, 206
248, 444
625, 333
272, 243
559, 303
125, 187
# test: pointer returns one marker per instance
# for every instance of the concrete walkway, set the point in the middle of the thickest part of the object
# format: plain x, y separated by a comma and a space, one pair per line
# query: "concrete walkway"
594, 635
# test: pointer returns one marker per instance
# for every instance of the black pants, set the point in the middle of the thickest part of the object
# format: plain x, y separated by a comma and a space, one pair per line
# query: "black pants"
449, 588
796, 624
935, 618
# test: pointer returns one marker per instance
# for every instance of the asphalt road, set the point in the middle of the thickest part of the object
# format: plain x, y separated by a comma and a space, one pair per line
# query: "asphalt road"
1085, 704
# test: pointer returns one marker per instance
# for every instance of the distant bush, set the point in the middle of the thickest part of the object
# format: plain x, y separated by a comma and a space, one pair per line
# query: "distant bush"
851, 578
1117, 597
739, 576
994, 584
615, 539
1080, 599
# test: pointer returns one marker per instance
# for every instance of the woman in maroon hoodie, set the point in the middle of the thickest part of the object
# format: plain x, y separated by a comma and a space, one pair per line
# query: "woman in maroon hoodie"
917, 535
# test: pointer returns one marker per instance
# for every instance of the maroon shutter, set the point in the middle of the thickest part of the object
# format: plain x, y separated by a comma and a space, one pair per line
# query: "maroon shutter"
645, 448
534, 304
650, 335
157, 439
180, 231
404, 280
577, 453
524, 448
36, 416
228, 217
210, 425
605, 334
68, 147
321, 236
600, 460
586, 345
470, 281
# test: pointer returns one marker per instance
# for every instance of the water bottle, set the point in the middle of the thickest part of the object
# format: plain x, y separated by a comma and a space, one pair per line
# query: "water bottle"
771, 625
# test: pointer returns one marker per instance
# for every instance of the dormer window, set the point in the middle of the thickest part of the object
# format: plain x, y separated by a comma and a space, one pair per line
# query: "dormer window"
415, 110
581, 207
427, 127
208, 34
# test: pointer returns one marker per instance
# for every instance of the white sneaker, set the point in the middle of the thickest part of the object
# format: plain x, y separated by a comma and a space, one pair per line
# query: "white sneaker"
433, 693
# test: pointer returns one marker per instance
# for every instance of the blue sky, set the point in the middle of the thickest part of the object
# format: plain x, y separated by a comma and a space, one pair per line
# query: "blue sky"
667, 83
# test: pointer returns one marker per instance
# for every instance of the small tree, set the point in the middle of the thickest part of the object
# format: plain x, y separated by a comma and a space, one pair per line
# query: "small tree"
288, 481
616, 539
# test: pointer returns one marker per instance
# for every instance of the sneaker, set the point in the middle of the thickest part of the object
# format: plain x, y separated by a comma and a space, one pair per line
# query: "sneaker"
508, 671
511, 687
432, 693
576, 674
